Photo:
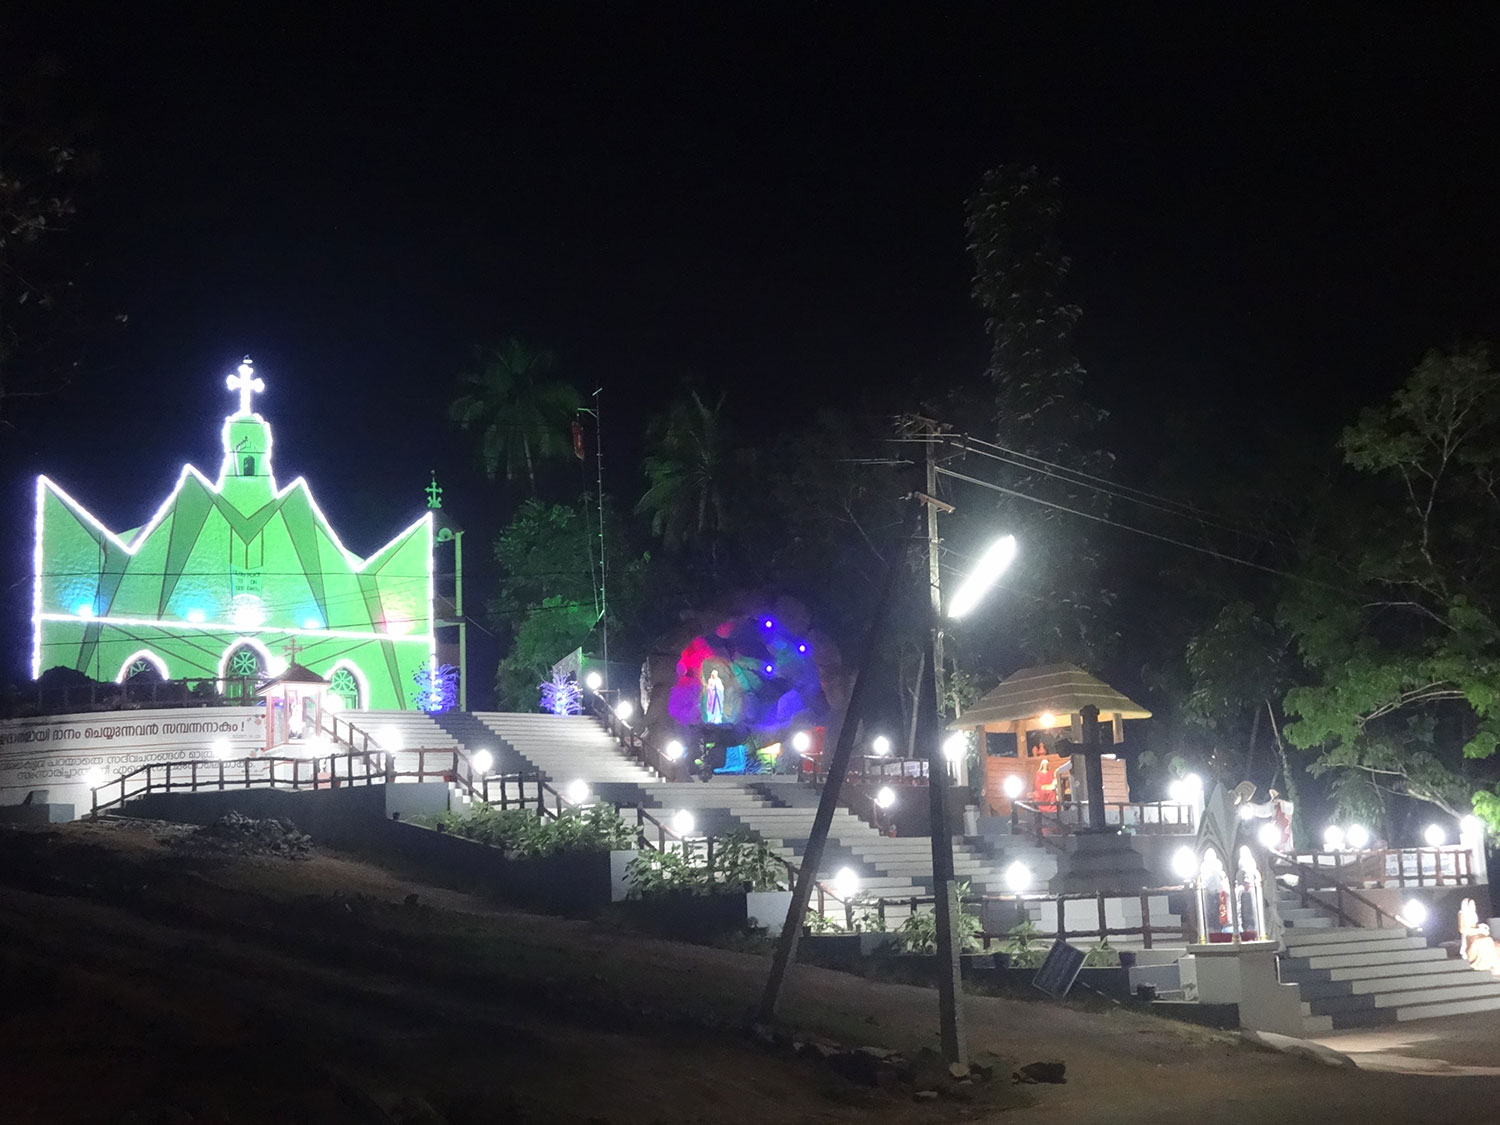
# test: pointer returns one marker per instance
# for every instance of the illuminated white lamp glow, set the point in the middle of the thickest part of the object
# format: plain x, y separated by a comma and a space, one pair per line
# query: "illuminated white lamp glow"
94, 777
311, 624
955, 746
1269, 837
221, 748
881, 745
1193, 785
1471, 825
1357, 836
333, 703
683, 822
1185, 863
846, 883
674, 751
1434, 836
624, 709
276, 665
1247, 812
578, 791
1018, 877
390, 738
886, 797
1012, 786
1414, 914
482, 760
83, 609
247, 616
594, 681
802, 742
1048, 718
197, 616
1333, 838
987, 570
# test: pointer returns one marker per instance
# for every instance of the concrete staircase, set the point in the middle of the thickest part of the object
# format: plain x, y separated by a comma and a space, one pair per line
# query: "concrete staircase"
566, 748
1295, 916
1351, 977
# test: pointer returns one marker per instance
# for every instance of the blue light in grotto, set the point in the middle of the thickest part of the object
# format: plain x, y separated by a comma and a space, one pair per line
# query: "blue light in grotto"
768, 624
802, 647
770, 669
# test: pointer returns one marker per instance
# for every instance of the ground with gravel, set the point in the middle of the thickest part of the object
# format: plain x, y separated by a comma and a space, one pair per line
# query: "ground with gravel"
146, 981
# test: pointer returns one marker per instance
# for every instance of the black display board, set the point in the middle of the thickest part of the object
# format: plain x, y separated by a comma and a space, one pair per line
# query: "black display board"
1059, 970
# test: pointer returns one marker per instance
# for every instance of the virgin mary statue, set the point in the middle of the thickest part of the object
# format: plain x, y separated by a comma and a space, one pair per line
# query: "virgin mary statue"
713, 698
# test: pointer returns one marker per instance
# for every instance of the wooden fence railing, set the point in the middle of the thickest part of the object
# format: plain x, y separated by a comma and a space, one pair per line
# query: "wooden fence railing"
1182, 929
1449, 866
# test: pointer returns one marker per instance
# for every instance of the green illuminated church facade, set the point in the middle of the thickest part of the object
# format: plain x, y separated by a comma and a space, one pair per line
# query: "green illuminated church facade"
229, 580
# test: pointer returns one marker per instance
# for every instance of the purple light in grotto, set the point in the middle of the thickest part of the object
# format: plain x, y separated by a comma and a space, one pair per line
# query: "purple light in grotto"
802, 647
770, 669
768, 624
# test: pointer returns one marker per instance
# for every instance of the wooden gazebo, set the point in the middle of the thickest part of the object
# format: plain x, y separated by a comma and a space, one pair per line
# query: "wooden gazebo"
1039, 708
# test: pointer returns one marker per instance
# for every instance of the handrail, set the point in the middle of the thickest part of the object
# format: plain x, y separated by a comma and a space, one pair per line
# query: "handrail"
213, 774
1145, 930
1373, 867
629, 739
1285, 865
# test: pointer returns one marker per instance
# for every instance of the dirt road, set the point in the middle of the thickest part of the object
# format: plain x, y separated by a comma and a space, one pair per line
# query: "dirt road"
142, 985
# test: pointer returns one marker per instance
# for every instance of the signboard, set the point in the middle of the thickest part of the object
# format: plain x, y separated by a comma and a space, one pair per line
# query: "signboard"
55, 752
1060, 969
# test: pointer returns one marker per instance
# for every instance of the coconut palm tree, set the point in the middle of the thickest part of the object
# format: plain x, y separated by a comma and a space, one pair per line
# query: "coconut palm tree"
522, 416
686, 469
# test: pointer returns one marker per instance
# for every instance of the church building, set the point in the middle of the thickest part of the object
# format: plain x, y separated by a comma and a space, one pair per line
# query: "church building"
229, 580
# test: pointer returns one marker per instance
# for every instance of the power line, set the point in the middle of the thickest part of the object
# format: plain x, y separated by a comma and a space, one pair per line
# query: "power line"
1220, 555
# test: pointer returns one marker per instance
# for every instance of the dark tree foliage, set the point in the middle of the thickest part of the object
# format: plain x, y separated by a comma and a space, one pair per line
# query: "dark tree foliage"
1041, 417
1398, 623
521, 414
42, 164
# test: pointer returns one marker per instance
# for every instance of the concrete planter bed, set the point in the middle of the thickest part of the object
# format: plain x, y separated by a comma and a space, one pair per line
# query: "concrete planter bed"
695, 917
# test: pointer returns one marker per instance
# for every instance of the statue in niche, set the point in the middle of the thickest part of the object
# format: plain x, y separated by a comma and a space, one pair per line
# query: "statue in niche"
713, 698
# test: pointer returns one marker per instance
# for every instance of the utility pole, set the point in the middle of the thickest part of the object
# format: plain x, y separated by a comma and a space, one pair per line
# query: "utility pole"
603, 570
838, 769
951, 1028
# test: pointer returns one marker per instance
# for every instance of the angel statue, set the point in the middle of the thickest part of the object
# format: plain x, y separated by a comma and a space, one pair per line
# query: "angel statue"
1276, 810
1479, 948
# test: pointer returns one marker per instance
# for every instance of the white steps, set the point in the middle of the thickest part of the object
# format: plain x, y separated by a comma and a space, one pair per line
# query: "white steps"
1362, 977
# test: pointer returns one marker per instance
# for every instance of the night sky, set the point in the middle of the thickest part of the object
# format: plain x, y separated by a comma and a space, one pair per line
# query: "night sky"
1271, 216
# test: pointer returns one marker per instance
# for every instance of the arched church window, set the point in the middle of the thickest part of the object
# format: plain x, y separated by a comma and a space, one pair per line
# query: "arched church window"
343, 684
142, 669
244, 669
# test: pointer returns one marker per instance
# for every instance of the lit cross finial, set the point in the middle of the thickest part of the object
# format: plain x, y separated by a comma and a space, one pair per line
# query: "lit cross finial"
246, 383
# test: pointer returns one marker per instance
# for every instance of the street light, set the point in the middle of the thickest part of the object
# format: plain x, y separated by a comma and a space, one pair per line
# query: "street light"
1435, 836
578, 791
881, 745
624, 709
482, 761
991, 565
594, 681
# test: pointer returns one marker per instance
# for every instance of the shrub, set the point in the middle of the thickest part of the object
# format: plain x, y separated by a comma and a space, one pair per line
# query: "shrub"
598, 828
1024, 945
740, 863
1102, 956
918, 934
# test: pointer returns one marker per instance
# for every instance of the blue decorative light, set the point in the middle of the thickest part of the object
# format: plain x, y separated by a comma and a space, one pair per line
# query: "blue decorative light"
561, 695
437, 688
768, 624
802, 647
770, 669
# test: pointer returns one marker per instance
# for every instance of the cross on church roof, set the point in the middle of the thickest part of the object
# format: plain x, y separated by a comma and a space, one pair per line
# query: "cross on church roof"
246, 383
292, 648
434, 493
